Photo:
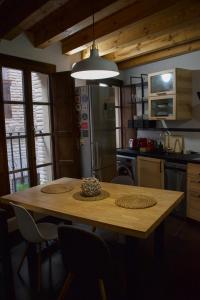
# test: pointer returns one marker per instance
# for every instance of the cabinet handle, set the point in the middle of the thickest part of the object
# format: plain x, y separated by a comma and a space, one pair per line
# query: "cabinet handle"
162, 93
195, 195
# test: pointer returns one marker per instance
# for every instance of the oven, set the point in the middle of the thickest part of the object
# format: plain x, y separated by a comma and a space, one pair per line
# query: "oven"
126, 165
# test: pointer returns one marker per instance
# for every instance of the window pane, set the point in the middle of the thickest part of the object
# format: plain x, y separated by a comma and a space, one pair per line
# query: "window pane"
41, 118
15, 123
19, 181
17, 154
118, 138
117, 117
40, 87
43, 150
44, 174
12, 85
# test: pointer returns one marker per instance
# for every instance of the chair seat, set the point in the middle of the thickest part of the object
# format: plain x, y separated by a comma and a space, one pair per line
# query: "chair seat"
48, 231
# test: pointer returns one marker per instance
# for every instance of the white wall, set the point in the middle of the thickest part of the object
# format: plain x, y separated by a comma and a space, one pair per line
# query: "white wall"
188, 61
22, 47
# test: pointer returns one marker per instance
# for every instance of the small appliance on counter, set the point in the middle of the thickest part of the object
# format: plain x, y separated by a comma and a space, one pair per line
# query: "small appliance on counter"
142, 144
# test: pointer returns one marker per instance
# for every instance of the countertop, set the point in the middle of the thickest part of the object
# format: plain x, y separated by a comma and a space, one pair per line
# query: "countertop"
172, 157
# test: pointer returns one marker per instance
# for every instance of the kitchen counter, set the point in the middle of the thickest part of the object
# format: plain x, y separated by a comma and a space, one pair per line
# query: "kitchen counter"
172, 157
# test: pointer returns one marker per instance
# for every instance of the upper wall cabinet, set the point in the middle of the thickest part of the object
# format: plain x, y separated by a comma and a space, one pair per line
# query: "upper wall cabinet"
170, 95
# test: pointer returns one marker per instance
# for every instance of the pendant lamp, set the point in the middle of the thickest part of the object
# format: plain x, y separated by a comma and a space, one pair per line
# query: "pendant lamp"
94, 67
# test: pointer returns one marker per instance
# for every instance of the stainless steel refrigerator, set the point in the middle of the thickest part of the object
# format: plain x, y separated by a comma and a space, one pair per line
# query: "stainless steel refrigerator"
96, 106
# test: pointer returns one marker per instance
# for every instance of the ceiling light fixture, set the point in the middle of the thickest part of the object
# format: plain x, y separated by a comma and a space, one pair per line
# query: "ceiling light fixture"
94, 67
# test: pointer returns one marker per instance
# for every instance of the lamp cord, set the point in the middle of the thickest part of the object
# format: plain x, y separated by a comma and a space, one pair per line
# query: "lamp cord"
93, 32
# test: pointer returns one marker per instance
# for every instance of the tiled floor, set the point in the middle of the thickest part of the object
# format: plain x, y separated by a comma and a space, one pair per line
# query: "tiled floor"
177, 279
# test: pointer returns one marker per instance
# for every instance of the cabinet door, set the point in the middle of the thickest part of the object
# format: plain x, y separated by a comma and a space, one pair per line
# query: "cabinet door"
162, 108
193, 191
150, 172
162, 83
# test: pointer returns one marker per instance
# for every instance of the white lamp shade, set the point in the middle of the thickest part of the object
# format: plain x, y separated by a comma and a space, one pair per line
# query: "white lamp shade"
94, 67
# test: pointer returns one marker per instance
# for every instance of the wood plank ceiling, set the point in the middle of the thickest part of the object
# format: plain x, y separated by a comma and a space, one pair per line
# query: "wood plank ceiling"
130, 32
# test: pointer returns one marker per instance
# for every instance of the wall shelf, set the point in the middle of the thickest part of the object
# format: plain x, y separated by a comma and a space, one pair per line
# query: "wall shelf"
166, 129
139, 83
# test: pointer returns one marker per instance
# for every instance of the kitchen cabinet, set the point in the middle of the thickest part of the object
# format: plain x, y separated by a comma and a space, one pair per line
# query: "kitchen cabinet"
193, 191
150, 172
170, 95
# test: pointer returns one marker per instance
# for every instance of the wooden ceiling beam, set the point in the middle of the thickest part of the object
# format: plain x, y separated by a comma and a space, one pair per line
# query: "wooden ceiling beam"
160, 55
182, 36
165, 21
52, 28
15, 14
122, 18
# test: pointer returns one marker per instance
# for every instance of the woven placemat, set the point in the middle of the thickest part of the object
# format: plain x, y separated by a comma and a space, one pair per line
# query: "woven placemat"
101, 196
135, 201
56, 188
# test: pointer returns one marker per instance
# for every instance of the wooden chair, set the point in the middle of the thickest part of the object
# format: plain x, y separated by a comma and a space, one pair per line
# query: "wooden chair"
33, 234
85, 254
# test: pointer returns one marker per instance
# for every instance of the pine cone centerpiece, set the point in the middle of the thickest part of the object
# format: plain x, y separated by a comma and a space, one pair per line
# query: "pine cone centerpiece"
90, 187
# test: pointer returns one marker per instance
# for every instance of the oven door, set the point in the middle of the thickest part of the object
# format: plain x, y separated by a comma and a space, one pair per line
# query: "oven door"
175, 180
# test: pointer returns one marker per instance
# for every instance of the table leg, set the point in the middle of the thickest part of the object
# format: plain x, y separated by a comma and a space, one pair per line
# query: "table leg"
8, 283
5, 259
132, 266
33, 266
159, 243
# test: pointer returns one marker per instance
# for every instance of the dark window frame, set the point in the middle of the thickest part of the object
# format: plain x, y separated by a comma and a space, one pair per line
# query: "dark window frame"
26, 66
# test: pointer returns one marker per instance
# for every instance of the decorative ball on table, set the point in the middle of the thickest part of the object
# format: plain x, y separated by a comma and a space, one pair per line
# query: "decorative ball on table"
90, 187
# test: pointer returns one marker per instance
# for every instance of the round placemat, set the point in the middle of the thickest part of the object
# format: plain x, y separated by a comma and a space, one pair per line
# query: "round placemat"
101, 196
56, 188
135, 201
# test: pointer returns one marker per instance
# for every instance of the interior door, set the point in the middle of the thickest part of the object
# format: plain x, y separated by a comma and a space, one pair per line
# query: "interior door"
66, 133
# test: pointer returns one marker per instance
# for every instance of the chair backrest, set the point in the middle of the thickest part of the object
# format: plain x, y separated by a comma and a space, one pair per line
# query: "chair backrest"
84, 252
123, 179
27, 226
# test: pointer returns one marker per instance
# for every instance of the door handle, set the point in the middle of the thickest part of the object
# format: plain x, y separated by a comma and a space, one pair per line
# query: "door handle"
160, 166
96, 155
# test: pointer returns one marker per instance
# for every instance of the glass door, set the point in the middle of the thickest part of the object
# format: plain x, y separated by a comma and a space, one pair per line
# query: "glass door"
28, 134
162, 83
15, 128
162, 108
42, 126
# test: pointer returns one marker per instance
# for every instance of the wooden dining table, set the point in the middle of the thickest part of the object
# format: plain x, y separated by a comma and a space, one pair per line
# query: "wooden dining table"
138, 223
135, 224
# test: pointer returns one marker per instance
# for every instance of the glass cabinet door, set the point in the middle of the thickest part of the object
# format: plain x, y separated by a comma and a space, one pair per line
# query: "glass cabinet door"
162, 83
162, 108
